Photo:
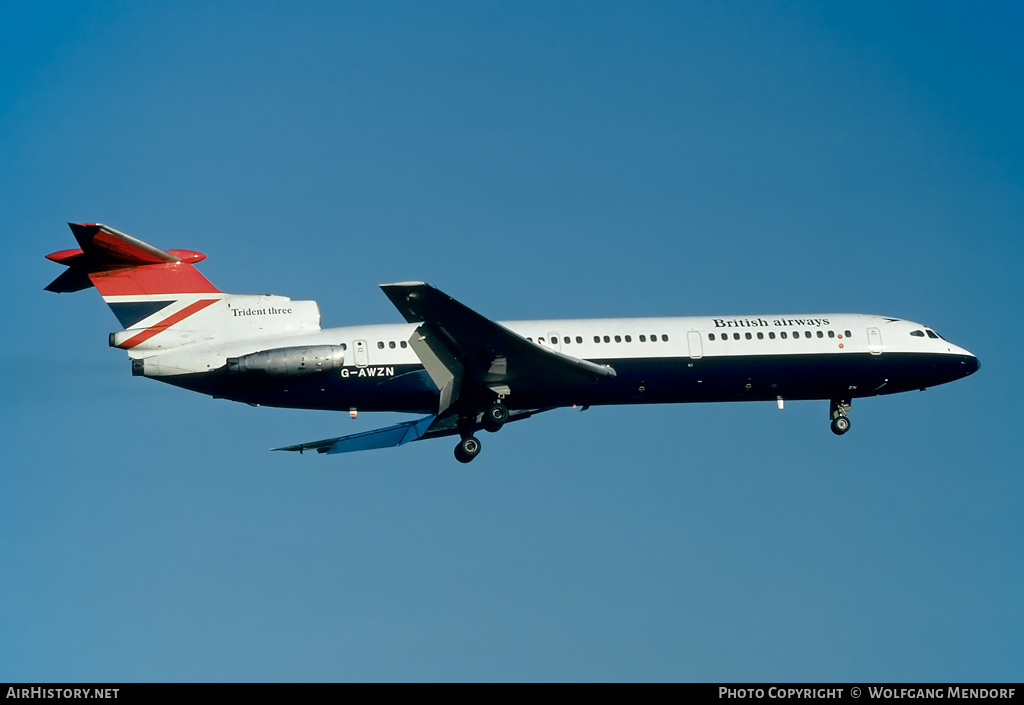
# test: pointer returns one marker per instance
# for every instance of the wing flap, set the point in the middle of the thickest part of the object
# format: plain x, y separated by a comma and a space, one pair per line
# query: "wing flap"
397, 435
443, 369
387, 437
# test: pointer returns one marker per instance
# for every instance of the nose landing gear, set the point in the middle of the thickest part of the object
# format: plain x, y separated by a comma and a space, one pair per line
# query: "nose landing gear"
837, 411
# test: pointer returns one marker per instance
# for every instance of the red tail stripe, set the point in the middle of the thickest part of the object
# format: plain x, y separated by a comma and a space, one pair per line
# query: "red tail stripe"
167, 323
152, 279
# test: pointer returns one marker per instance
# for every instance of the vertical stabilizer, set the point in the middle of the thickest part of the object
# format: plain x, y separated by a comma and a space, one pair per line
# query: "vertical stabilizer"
161, 299
148, 289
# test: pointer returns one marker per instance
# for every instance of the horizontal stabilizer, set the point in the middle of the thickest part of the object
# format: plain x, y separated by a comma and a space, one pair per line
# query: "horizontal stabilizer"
121, 265
70, 281
388, 437
102, 243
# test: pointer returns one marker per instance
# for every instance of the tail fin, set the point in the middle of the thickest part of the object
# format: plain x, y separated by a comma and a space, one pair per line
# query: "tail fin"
156, 295
135, 279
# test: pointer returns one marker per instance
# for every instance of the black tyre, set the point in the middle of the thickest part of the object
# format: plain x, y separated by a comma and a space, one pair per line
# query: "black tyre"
840, 425
467, 449
495, 417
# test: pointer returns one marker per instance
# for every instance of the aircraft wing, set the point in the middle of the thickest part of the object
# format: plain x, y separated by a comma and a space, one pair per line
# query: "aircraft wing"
399, 434
459, 348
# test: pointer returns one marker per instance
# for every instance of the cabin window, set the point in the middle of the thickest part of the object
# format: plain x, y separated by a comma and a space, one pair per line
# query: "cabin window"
607, 339
760, 335
579, 338
807, 334
344, 346
848, 334
566, 340
597, 339
820, 334
380, 344
735, 336
654, 339
392, 345
643, 338
540, 340
711, 336
771, 335
783, 334
629, 339
618, 339
404, 344
664, 338
831, 334
796, 334
748, 336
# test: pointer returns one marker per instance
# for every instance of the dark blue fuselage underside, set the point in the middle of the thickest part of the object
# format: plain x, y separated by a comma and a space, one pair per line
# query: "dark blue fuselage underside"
407, 388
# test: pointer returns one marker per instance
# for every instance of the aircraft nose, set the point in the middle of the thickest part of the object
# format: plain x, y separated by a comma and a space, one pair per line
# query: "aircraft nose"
971, 364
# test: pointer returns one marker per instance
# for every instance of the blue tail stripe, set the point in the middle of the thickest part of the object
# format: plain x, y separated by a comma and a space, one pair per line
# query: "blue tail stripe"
131, 313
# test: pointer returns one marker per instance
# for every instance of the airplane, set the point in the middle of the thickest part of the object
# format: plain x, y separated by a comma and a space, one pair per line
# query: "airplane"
466, 373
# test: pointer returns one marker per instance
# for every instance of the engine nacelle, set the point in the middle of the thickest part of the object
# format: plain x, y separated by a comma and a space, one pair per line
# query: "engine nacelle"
290, 362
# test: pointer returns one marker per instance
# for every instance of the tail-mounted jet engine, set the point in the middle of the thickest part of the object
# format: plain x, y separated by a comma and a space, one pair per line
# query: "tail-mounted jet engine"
278, 362
290, 362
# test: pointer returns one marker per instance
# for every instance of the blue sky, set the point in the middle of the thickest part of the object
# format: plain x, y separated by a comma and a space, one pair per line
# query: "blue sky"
534, 160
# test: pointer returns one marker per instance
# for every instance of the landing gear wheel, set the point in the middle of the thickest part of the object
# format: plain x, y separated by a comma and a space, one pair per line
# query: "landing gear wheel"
840, 425
837, 412
467, 449
495, 417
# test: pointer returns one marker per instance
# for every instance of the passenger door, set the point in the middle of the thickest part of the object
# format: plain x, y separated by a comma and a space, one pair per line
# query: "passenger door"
875, 346
696, 347
362, 357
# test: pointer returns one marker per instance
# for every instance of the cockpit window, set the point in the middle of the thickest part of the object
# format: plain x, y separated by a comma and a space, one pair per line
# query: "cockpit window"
917, 333
931, 334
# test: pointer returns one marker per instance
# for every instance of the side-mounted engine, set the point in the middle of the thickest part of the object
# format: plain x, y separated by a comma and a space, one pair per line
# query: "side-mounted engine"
288, 362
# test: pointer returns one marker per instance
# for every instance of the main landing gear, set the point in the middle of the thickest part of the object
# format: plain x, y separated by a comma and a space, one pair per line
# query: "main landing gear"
467, 449
494, 417
837, 411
